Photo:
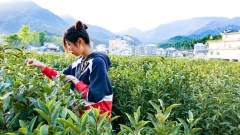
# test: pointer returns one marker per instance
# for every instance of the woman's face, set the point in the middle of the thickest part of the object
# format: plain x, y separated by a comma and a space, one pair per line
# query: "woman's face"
75, 49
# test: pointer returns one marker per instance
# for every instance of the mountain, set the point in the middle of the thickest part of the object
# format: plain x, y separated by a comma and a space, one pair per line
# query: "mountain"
99, 34
178, 39
20, 13
131, 31
194, 28
17, 13
68, 19
217, 26
96, 33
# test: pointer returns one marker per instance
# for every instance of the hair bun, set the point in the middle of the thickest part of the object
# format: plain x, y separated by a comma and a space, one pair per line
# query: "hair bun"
79, 25
85, 26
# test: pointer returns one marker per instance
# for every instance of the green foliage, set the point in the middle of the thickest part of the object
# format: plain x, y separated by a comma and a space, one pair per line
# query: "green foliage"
34, 38
180, 42
12, 40
32, 104
188, 128
24, 34
162, 126
54, 39
42, 38
204, 87
137, 126
160, 122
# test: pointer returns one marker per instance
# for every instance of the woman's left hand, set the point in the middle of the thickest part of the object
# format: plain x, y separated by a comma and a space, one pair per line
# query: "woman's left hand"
72, 78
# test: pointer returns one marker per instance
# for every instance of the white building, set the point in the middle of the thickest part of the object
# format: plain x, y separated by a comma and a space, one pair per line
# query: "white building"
33, 48
49, 47
126, 52
101, 48
226, 48
139, 50
170, 51
121, 45
150, 49
160, 52
200, 48
184, 53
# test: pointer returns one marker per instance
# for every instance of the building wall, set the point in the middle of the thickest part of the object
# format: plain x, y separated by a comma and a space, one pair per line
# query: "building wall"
231, 45
101, 48
160, 52
224, 54
118, 46
200, 48
139, 50
150, 49
231, 36
227, 48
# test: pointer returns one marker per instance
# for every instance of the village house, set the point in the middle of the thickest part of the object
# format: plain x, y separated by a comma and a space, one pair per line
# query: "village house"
171, 51
160, 52
49, 47
200, 48
183, 53
148, 49
226, 48
101, 48
121, 45
139, 50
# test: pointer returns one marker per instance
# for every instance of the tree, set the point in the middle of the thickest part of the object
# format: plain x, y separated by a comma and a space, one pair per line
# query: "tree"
187, 43
34, 38
42, 38
24, 35
217, 37
55, 39
12, 40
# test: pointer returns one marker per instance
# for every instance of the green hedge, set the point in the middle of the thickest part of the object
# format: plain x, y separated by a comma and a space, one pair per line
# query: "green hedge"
208, 89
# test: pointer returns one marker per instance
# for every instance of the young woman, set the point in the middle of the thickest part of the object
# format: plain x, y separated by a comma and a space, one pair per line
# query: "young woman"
89, 71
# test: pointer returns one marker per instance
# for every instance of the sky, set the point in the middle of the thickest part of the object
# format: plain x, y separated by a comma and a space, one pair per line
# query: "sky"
119, 15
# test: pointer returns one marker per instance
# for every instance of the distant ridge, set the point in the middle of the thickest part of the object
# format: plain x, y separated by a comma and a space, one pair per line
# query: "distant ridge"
194, 28
16, 14
98, 34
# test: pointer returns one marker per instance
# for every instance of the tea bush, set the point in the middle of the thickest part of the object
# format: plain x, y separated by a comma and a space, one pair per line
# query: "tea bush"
32, 104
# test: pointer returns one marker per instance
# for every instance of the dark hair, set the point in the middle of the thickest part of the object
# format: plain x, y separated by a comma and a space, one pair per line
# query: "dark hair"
73, 33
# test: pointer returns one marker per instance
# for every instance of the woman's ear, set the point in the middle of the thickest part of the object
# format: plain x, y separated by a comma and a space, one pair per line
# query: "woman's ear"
79, 41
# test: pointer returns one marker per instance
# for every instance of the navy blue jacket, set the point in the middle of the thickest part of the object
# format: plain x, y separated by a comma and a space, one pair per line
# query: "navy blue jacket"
92, 71
93, 78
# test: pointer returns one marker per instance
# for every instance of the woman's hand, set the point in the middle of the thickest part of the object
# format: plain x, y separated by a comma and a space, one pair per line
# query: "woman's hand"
72, 78
35, 63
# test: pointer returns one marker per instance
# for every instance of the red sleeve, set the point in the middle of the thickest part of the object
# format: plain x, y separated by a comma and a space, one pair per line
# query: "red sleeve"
49, 72
81, 87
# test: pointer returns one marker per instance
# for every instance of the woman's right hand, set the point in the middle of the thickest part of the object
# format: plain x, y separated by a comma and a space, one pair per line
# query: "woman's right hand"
35, 63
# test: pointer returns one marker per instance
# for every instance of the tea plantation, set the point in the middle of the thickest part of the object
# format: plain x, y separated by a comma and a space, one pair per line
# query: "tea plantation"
152, 95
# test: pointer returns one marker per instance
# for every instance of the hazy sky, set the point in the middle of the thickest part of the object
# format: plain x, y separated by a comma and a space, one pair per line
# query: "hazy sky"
118, 15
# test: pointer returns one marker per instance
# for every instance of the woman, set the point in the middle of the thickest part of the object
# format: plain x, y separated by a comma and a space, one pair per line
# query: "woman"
88, 73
